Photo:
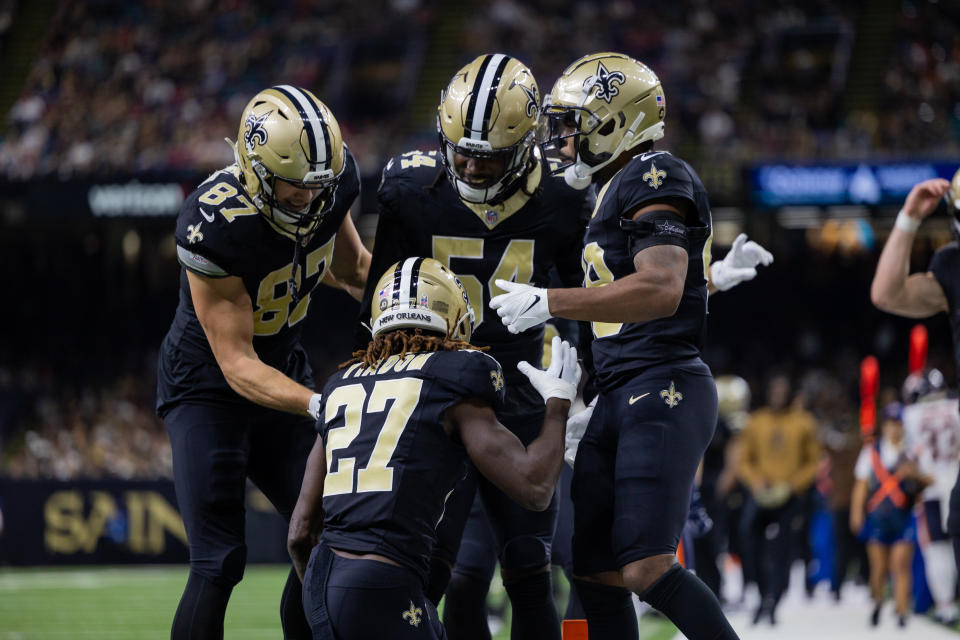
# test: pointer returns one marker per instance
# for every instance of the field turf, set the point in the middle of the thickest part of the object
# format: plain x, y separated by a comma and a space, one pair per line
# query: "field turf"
120, 603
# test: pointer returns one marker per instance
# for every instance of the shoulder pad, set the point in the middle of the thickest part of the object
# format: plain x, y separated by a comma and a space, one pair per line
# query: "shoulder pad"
218, 222
654, 175
479, 375
417, 166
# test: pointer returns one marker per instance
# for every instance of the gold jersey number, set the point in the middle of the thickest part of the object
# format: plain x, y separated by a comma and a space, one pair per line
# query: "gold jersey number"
402, 396
515, 264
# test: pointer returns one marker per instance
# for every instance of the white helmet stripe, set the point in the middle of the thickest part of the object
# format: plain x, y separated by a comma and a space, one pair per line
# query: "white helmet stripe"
313, 122
484, 95
406, 272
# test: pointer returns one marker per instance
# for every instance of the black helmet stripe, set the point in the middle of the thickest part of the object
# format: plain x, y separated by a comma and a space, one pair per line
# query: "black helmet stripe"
477, 83
484, 90
397, 278
491, 94
415, 277
318, 137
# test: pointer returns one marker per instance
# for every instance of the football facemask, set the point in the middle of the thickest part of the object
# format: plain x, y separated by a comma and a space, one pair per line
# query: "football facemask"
488, 113
606, 103
287, 135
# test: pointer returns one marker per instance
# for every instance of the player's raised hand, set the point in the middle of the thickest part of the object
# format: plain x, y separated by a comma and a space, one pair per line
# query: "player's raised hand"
924, 197
561, 378
576, 427
740, 263
521, 307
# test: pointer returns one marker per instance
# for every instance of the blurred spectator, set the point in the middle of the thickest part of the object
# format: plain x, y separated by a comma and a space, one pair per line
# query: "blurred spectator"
778, 463
881, 508
94, 432
840, 436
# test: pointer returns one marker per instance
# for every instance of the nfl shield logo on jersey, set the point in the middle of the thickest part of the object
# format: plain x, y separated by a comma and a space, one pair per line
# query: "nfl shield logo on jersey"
491, 216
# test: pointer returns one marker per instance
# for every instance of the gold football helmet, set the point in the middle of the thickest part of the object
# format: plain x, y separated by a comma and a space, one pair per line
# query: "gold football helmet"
733, 395
489, 110
608, 103
421, 293
286, 134
953, 202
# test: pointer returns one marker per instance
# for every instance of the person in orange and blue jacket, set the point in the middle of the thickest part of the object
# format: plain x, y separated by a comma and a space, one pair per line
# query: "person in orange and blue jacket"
886, 488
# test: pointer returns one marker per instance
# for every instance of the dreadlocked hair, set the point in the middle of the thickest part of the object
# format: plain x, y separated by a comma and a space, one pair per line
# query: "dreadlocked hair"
403, 342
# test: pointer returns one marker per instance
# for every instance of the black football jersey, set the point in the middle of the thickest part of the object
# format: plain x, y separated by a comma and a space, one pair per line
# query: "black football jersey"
220, 233
945, 266
620, 349
390, 464
421, 215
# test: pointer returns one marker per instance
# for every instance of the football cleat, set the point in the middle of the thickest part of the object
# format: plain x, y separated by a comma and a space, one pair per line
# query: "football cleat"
287, 135
489, 112
606, 103
421, 293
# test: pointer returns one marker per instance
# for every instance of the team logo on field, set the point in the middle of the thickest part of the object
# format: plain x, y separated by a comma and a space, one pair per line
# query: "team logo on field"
193, 233
413, 615
604, 82
256, 132
671, 397
496, 377
654, 177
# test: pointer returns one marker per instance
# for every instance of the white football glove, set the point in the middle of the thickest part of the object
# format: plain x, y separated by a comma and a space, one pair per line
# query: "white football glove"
740, 263
561, 377
314, 408
521, 307
576, 427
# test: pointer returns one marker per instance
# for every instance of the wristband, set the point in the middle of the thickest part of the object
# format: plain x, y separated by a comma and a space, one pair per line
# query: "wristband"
905, 223
314, 408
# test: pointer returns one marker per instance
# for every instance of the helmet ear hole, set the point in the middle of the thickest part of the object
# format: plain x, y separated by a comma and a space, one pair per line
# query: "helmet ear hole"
607, 128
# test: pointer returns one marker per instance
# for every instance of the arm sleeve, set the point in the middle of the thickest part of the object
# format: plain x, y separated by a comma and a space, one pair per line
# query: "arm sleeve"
652, 177
478, 375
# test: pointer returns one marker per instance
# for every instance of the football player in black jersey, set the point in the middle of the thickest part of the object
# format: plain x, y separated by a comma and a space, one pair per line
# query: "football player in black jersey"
646, 256
234, 384
485, 207
921, 295
397, 425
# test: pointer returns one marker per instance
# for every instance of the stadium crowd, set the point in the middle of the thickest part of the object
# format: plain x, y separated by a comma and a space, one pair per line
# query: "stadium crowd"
127, 94
745, 79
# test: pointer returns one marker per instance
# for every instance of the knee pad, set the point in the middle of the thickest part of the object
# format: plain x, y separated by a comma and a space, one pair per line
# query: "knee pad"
231, 566
529, 590
525, 552
601, 599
